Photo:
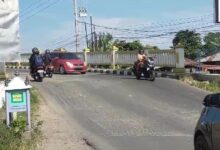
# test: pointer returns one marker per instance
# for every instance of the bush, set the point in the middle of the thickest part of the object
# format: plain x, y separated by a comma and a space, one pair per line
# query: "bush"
208, 86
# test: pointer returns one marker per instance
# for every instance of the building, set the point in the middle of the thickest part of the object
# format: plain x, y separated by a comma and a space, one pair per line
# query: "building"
211, 63
212, 60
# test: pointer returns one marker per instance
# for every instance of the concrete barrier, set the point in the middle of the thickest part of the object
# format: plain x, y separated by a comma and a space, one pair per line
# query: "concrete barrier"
206, 77
2, 67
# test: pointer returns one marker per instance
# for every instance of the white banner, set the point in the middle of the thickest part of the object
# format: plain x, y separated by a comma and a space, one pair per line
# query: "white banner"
9, 30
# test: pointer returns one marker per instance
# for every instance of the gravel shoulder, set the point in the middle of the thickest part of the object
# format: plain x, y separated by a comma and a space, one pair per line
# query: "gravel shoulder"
57, 132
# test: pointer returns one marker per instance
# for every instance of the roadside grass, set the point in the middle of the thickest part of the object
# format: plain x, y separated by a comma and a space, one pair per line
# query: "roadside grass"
208, 86
16, 137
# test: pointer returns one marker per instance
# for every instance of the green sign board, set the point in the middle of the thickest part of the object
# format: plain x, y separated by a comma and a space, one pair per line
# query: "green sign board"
17, 97
18, 100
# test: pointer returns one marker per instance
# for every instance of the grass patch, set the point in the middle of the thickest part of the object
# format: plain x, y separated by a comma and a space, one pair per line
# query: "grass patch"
206, 85
16, 137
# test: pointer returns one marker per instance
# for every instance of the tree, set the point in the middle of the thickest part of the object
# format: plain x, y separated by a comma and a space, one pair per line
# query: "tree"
128, 46
103, 42
151, 48
120, 44
190, 40
211, 43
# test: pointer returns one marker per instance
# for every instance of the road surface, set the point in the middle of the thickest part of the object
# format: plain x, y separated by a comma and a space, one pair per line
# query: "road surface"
121, 113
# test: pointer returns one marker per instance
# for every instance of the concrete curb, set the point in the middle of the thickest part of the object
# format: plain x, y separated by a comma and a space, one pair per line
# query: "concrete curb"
16, 67
112, 72
130, 73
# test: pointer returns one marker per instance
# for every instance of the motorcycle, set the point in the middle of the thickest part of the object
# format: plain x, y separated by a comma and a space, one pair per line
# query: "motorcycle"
145, 68
49, 70
38, 74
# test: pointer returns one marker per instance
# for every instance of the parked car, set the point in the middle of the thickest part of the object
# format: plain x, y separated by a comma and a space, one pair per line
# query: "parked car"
68, 62
207, 132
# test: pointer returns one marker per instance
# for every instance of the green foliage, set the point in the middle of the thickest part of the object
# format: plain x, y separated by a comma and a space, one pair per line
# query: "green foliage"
211, 43
128, 46
152, 49
102, 42
190, 40
19, 125
208, 86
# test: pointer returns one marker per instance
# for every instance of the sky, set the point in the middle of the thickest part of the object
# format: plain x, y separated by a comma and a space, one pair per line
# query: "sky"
50, 23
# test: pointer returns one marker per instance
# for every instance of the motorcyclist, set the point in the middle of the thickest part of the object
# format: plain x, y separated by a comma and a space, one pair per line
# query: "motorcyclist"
35, 59
141, 57
47, 57
31, 59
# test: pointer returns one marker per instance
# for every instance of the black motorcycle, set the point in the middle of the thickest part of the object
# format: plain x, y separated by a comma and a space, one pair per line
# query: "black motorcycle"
49, 70
145, 69
38, 74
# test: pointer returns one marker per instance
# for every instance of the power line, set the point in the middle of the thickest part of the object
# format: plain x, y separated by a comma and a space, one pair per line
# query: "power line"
35, 5
44, 8
30, 6
163, 23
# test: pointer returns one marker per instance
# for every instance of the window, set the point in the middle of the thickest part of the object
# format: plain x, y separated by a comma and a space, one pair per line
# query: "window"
68, 56
215, 100
212, 100
54, 55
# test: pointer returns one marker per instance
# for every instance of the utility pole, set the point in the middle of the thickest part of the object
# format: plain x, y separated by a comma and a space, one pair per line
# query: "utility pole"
76, 25
87, 41
95, 37
92, 39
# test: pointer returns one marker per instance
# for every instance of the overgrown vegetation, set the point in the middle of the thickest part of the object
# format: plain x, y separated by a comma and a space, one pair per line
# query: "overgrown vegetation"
16, 137
208, 86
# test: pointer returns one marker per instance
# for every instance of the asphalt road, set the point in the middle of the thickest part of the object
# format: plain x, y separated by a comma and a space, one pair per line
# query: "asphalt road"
122, 113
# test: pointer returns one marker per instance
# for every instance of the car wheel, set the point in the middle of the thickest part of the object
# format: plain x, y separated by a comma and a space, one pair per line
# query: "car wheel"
62, 70
201, 143
83, 72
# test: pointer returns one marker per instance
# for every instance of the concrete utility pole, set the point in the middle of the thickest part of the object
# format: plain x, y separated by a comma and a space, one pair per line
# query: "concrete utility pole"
76, 25
92, 39
87, 40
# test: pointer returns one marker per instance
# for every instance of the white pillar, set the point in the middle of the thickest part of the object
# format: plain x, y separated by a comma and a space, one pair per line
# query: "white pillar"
180, 58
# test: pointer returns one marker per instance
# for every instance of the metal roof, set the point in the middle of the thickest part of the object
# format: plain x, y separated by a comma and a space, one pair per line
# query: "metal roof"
212, 58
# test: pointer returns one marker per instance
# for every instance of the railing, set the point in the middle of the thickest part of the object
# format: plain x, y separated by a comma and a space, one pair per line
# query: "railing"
163, 58
99, 58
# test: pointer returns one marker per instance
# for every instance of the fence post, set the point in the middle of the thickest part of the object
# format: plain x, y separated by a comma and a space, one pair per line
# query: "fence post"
86, 51
114, 50
180, 59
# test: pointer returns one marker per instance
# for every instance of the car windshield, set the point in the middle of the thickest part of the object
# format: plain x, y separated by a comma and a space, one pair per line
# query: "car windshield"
68, 56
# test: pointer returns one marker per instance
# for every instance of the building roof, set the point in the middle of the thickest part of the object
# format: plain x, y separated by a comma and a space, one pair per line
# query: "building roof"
212, 58
189, 62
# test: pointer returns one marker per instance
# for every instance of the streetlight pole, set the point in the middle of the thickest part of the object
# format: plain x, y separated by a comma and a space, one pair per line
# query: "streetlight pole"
76, 24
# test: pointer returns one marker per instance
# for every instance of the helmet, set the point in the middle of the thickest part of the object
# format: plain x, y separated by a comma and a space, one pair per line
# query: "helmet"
47, 51
35, 50
141, 52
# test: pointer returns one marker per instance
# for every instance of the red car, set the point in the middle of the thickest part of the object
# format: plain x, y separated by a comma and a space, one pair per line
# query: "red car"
67, 62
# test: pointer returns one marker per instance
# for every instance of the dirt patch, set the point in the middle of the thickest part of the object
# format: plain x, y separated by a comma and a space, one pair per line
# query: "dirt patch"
57, 133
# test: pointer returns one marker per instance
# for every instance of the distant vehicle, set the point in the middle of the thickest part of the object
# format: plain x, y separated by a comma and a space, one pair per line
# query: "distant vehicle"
68, 62
207, 132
